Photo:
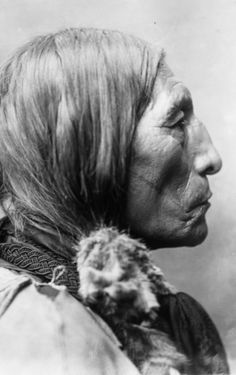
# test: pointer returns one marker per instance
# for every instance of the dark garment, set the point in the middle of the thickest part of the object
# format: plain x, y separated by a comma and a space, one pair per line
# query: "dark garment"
180, 316
194, 333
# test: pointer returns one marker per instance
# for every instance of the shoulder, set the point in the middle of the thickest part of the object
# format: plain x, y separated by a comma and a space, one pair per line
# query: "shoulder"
43, 328
194, 332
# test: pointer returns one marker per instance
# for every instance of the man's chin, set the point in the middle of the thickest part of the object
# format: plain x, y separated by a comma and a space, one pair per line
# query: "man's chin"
196, 238
193, 237
197, 234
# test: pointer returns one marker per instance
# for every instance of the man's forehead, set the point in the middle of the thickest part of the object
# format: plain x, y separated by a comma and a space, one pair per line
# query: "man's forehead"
167, 80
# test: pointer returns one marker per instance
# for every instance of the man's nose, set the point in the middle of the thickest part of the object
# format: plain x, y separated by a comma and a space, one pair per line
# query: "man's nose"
207, 158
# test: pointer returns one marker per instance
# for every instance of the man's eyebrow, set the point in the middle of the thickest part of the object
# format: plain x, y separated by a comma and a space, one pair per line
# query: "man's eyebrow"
182, 100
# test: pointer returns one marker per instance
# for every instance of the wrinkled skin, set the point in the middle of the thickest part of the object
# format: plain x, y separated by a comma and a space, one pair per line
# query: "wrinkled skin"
168, 188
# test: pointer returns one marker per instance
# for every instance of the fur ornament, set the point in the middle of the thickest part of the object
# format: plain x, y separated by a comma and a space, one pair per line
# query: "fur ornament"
119, 282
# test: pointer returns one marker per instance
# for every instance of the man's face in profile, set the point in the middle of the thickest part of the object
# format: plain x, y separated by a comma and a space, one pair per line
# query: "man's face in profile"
168, 189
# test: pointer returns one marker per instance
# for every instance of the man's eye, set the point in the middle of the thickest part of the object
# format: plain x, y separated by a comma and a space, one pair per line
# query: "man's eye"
178, 127
179, 121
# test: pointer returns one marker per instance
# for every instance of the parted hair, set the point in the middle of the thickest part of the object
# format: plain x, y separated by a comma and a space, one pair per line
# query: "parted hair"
69, 106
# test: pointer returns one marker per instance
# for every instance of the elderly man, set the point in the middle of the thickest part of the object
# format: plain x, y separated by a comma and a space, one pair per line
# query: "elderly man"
99, 146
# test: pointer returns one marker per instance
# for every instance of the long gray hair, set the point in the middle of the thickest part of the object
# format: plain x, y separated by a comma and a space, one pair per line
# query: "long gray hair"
69, 106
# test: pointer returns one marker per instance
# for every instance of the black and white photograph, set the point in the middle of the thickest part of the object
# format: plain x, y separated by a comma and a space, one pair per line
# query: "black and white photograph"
117, 187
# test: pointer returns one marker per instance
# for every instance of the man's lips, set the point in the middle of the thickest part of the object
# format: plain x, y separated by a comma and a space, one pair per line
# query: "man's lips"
202, 201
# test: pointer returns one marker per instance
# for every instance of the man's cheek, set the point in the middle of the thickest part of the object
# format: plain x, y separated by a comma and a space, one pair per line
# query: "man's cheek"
174, 173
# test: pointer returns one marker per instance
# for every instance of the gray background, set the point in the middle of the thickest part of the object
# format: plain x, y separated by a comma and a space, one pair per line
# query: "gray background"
200, 39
